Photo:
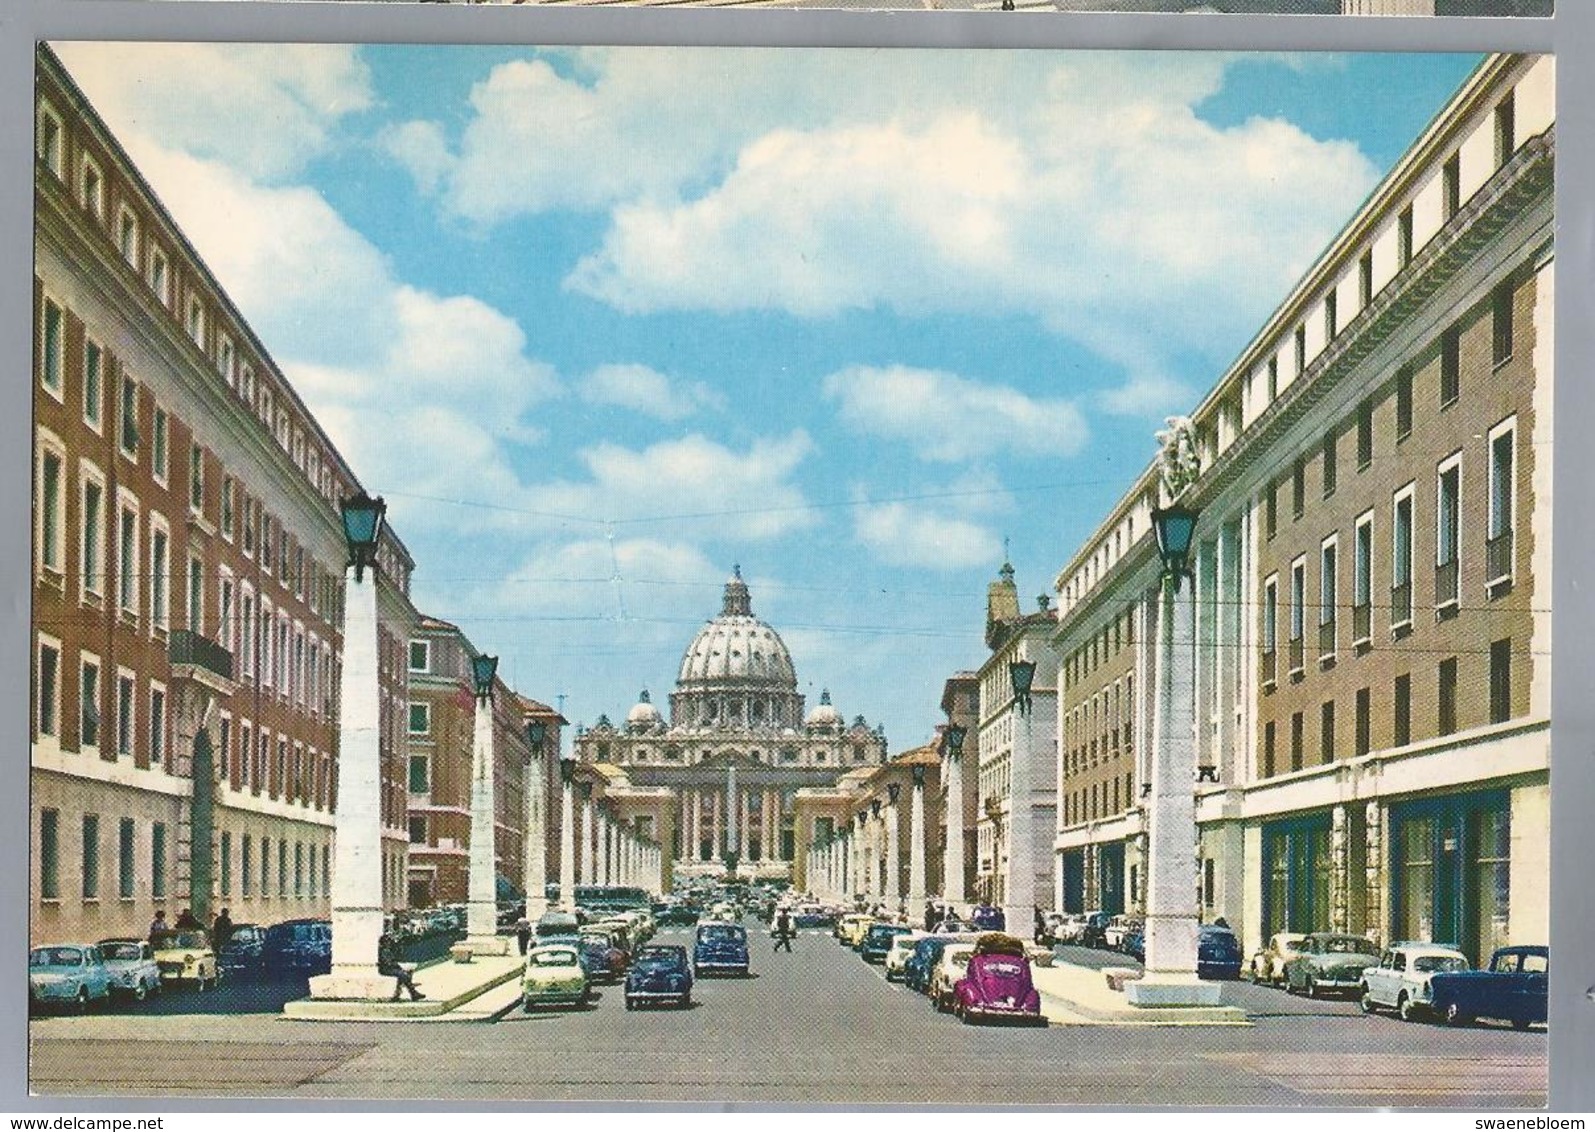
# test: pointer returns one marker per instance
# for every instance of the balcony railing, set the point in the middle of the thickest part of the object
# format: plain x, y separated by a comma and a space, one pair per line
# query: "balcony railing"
1270, 667
1401, 606
1445, 586
1498, 558
1361, 623
1297, 656
185, 646
1326, 641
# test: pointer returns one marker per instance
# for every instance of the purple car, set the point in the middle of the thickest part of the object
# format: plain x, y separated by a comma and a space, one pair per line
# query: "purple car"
997, 985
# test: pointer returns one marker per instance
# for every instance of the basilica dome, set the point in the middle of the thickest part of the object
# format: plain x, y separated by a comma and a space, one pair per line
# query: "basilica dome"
644, 715
736, 648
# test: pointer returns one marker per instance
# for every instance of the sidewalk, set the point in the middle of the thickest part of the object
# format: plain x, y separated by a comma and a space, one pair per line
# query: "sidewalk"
455, 992
1072, 995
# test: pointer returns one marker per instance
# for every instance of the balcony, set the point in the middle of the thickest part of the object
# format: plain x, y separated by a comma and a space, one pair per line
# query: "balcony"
200, 658
1270, 668
1297, 658
1361, 624
1401, 609
1445, 590
1498, 559
1326, 644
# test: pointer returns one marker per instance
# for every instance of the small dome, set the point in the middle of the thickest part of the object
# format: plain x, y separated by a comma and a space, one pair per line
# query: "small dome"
644, 714
825, 715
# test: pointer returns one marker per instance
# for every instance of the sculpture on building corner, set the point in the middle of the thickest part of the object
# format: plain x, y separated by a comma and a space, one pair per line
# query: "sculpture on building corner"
1179, 465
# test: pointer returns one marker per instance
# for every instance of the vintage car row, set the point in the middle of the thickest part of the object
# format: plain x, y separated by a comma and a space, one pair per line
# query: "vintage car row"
979, 976
80, 974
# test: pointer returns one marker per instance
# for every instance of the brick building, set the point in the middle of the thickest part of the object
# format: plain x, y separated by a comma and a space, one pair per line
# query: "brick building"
1372, 569
187, 577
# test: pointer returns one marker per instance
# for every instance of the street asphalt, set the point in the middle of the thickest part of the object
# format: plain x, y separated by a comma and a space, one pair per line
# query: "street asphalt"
816, 1027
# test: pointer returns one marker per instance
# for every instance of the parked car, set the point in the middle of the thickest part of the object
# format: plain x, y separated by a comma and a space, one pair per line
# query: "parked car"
132, 967
297, 947
1401, 980
185, 956
1329, 963
554, 977
680, 914
878, 941
551, 925
1134, 944
949, 969
719, 948
920, 962
1268, 965
1093, 931
902, 946
997, 983
69, 974
1513, 988
660, 973
1118, 927
986, 918
606, 944
242, 955
1218, 953
813, 916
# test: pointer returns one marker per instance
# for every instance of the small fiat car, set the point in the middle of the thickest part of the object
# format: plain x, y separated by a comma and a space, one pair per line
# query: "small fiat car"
185, 956
132, 967
897, 958
70, 974
554, 977
1401, 980
720, 948
878, 941
997, 983
949, 969
660, 973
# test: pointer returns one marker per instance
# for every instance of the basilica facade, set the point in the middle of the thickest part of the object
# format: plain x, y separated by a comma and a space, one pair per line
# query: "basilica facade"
716, 783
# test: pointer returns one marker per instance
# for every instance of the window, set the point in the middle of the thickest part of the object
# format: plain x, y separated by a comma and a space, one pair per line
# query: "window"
1364, 738
226, 863
160, 277
1328, 589
89, 704
128, 429
250, 509
1403, 711
225, 358
1331, 324
158, 458
1296, 740
127, 560
50, 854
93, 385
1448, 495
1401, 559
299, 868
1300, 341
1451, 185
1501, 324
124, 715
1365, 279
196, 595
1499, 540
1298, 487
420, 774
1271, 510
417, 829
127, 236
196, 479
1404, 238
1500, 681
1326, 732
246, 864
160, 573
265, 867
1298, 598
1330, 470
93, 188
158, 727
52, 343
1362, 578
1505, 130
1268, 749
224, 612
282, 867
91, 857
48, 690
52, 550
158, 860
195, 323
1365, 434
124, 859
420, 718
1450, 367
227, 507
1447, 699
420, 656
47, 144
1273, 378
1403, 404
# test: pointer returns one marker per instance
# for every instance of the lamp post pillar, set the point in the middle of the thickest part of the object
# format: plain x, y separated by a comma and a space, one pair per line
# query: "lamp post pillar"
953, 852
1019, 895
481, 909
589, 838
916, 845
535, 853
567, 845
894, 859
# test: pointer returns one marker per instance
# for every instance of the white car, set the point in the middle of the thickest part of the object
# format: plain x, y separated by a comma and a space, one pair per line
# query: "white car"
902, 947
1401, 980
132, 967
954, 962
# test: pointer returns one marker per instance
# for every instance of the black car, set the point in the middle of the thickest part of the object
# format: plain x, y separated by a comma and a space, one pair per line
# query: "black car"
679, 914
1218, 953
720, 948
878, 941
660, 973
242, 953
297, 947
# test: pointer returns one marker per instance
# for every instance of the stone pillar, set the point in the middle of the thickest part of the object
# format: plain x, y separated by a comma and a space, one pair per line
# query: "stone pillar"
894, 859
567, 847
916, 846
1339, 872
534, 856
694, 846
733, 839
1172, 911
1019, 887
953, 852
589, 839
481, 909
357, 837
745, 823
1374, 922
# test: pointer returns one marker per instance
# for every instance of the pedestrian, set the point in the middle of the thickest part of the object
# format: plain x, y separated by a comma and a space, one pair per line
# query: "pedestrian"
158, 924
388, 964
222, 930
783, 931
930, 915
186, 921
1039, 927
523, 933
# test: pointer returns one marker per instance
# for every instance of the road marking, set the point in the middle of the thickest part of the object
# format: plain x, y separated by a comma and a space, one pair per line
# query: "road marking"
1352, 1074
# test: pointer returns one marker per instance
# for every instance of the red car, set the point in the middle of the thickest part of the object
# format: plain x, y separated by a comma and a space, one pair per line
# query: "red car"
997, 983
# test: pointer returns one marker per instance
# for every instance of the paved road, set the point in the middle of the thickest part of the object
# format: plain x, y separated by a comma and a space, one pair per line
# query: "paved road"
818, 1026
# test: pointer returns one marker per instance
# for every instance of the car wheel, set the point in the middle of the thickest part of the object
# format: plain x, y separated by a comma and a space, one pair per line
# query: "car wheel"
686, 1002
140, 991
631, 1003
526, 1005
1366, 1002
1521, 1023
1404, 1007
1311, 988
1455, 1017
83, 1000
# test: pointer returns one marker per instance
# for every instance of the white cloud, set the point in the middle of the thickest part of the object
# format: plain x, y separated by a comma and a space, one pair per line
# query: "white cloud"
647, 391
944, 417
903, 534
264, 109
421, 148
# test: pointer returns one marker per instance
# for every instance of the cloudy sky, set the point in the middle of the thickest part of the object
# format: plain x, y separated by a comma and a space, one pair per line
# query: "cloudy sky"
602, 323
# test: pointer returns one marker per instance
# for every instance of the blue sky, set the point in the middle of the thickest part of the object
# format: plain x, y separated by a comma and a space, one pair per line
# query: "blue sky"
602, 323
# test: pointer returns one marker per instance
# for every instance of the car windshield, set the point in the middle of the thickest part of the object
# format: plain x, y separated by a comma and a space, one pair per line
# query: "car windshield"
661, 955
121, 950
55, 957
560, 958
1346, 945
722, 933
179, 939
1439, 963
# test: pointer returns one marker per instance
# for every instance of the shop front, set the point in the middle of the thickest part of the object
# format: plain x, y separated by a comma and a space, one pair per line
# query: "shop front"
1450, 871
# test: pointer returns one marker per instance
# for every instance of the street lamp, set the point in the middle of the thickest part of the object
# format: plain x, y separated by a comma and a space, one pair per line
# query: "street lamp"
483, 669
1174, 526
567, 834
954, 736
893, 789
1022, 673
363, 520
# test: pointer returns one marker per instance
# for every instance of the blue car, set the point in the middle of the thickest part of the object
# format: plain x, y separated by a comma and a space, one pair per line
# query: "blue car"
878, 941
297, 947
1514, 988
986, 918
927, 953
1218, 953
659, 973
719, 948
